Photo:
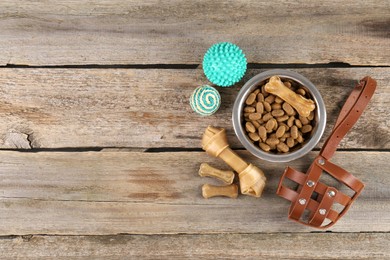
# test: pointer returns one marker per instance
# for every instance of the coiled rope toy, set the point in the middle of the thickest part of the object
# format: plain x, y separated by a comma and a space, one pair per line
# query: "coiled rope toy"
205, 100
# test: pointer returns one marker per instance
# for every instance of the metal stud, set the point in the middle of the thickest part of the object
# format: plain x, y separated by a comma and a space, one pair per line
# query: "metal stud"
322, 211
310, 183
302, 201
321, 161
332, 193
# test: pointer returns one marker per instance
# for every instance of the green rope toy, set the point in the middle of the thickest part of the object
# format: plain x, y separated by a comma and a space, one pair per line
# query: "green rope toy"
205, 100
224, 64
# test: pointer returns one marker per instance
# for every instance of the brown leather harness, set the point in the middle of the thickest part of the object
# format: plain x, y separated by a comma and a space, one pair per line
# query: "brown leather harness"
321, 207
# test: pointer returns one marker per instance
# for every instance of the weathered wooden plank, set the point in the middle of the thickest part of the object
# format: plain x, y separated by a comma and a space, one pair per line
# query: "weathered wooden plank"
177, 32
51, 108
210, 246
158, 193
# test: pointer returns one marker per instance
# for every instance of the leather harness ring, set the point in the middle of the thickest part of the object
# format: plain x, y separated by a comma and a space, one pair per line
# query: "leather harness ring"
321, 213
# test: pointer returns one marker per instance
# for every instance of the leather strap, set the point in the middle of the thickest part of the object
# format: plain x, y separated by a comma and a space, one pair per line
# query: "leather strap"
320, 207
349, 114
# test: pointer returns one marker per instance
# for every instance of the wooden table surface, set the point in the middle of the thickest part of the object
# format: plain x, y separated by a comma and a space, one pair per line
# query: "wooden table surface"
100, 149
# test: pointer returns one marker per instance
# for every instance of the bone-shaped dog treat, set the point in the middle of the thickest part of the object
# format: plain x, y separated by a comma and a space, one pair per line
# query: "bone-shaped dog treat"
302, 105
252, 179
206, 170
209, 191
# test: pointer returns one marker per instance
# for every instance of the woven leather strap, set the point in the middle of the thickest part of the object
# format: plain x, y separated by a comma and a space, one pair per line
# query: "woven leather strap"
320, 206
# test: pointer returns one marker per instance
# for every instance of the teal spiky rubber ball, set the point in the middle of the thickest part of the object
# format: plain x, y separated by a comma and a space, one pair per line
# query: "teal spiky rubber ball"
224, 64
205, 100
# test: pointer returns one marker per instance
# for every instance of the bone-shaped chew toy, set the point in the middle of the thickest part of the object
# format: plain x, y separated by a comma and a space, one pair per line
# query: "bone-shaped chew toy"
252, 179
206, 170
209, 191
302, 105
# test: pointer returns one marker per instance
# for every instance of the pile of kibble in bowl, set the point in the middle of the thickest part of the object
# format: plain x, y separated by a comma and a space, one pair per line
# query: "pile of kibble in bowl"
273, 124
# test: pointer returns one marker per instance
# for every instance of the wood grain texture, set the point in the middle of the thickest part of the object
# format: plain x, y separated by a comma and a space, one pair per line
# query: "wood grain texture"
210, 246
179, 32
55, 108
159, 193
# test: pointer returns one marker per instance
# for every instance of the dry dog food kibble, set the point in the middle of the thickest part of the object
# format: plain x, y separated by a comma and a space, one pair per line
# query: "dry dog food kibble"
273, 124
267, 106
250, 128
254, 116
249, 109
251, 99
